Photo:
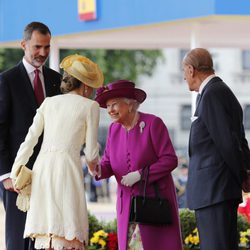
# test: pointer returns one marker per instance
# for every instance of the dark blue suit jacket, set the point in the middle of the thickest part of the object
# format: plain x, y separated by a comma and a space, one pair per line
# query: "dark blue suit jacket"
17, 109
214, 167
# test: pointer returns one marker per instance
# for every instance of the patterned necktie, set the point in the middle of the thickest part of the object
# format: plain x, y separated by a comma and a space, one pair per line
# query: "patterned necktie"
38, 89
197, 99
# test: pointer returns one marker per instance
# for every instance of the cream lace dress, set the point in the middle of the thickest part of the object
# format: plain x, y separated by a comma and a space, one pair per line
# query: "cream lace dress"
58, 212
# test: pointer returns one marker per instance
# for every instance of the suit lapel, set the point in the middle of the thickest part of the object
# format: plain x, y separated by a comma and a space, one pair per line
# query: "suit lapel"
25, 89
196, 113
48, 81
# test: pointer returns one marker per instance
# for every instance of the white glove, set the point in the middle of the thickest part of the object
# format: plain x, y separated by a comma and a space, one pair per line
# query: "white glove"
131, 178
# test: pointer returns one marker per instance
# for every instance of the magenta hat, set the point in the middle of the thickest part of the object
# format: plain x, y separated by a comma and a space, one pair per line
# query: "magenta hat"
119, 88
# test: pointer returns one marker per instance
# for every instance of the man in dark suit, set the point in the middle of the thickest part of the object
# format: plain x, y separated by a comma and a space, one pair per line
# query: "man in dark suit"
19, 99
215, 172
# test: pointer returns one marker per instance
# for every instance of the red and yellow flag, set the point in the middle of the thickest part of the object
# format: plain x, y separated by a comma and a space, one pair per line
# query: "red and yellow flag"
87, 10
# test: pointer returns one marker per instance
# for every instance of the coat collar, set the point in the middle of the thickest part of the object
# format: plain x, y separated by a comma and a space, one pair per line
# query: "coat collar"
206, 86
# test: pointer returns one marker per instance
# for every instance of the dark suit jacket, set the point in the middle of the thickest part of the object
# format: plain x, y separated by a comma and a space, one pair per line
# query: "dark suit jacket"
214, 169
17, 109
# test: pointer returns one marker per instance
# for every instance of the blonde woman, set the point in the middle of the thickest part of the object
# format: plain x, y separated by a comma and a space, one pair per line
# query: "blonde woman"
57, 218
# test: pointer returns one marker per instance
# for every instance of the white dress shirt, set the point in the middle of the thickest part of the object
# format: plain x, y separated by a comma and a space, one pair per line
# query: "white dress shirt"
30, 70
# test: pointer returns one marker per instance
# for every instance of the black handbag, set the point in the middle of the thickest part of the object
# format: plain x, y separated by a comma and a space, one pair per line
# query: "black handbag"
149, 210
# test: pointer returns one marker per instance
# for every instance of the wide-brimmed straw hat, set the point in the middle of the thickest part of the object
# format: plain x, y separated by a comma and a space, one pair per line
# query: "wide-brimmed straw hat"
83, 69
119, 88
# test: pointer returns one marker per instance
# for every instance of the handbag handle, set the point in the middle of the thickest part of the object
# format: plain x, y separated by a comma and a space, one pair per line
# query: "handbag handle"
145, 172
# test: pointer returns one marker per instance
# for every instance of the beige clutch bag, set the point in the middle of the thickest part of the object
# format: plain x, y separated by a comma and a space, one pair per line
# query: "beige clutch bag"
23, 177
23, 184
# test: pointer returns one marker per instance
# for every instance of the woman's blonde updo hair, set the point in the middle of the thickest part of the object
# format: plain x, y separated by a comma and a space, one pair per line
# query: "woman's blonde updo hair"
69, 83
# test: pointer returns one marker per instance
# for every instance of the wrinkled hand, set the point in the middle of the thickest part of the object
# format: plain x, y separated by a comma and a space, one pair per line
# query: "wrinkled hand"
131, 178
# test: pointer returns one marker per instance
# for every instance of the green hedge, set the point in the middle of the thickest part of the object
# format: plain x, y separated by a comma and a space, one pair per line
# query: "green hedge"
188, 225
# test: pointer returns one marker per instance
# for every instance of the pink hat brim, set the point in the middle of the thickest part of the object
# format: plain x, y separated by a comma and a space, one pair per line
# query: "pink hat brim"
131, 93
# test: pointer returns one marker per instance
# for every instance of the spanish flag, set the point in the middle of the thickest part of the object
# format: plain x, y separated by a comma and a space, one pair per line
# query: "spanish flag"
87, 10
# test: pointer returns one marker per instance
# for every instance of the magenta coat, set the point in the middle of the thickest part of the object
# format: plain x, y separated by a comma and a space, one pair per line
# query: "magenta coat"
128, 151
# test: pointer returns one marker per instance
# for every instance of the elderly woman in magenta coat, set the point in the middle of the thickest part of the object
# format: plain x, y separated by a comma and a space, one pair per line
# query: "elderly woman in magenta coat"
137, 140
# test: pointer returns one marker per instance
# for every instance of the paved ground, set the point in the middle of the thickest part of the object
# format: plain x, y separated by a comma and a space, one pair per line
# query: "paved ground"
103, 210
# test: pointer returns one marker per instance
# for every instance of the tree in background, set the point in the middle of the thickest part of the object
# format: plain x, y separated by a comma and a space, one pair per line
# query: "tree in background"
9, 58
115, 64
121, 64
